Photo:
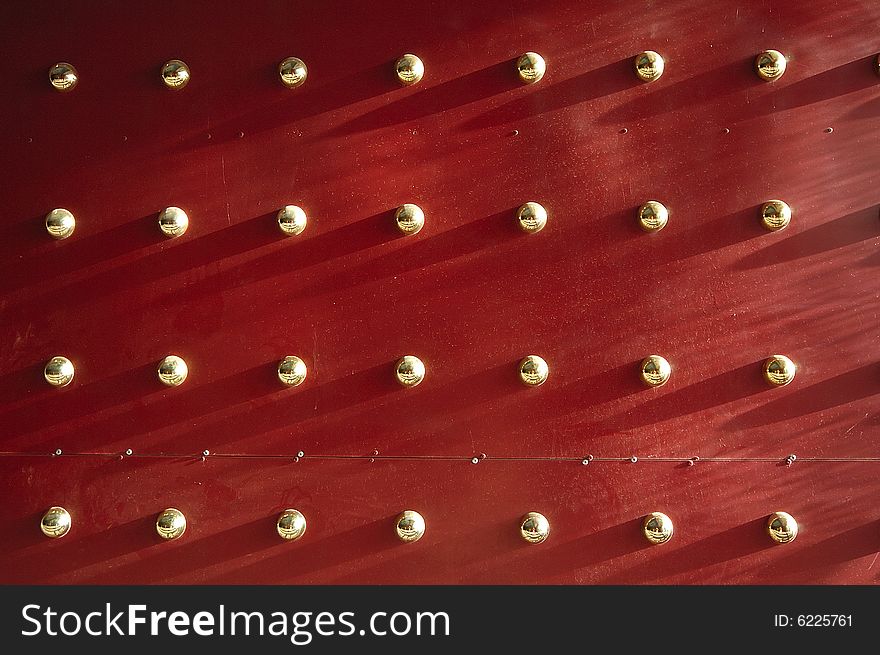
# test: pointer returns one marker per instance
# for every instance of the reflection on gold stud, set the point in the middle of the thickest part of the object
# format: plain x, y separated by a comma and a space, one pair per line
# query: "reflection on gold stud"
657, 528
533, 370
173, 371
175, 74
648, 65
60, 223
655, 370
653, 216
410, 69
292, 371
531, 67
58, 371
410, 526
171, 523
293, 72
409, 218
775, 215
55, 523
409, 370
291, 525
291, 220
531, 217
173, 221
63, 76
782, 527
779, 370
534, 528
770, 65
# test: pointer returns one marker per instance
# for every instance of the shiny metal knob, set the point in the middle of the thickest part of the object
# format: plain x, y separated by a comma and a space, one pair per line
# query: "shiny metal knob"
59, 371
533, 370
775, 215
657, 528
531, 217
172, 371
531, 67
55, 522
173, 221
63, 76
410, 69
653, 216
410, 371
291, 525
410, 526
175, 74
293, 72
655, 370
409, 218
779, 370
782, 527
648, 65
291, 220
292, 371
534, 528
60, 223
770, 65
171, 523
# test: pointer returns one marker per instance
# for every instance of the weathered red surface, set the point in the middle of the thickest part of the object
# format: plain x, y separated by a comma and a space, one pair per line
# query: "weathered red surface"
470, 295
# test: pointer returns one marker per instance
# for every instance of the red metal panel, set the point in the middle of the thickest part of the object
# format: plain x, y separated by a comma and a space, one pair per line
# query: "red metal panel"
713, 292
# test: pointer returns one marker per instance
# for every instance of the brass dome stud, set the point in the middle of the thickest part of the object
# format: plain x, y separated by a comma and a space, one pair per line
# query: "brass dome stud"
175, 74
533, 370
534, 528
172, 371
59, 371
292, 371
531, 67
409, 218
775, 215
657, 528
781, 527
409, 526
410, 69
655, 371
55, 522
291, 525
770, 65
292, 72
779, 370
409, 371
648, 65
171, 523
63, 76
531, 217
291, 220
60, 223
173, 221
653, 216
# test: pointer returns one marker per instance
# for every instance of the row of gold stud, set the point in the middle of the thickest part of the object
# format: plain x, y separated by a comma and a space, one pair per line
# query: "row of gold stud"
410, 526
410, 69
409, 371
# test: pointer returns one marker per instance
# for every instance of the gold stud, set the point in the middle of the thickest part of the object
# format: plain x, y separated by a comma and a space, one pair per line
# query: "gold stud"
657, 528
291, 525
649, 65
531, 217
58, 371
775, 215
60, 223
770, 65
171, 523
533, 370
291, 220
293, 72
292, 371
410, 371
531, 67
655, 370
534, 528
63, 76
779, 370
410, 69
410, 526
175, 74
172, 371
782, 527
55, 522
173, 221
409, 218
653, 216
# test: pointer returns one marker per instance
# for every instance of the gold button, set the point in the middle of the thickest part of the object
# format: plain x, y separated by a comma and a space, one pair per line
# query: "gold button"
55, 522
534, 528
410, 371
292, 371
63, 76
770, 65
782, 527
172, 371
779, 370
410, 526
60, 223
292, 72
175, 74
531, 67
291, 525
173, 221
649, 65
409, 218
531, 217
653, 216
657, 528
291, 220
775, 215
410, 69
533, 370
171, 523
59, 371
655, 370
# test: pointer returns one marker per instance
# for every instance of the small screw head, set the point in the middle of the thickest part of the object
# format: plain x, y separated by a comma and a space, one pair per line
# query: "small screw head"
300, 454
129, 451
634, 459
475, 460
57, 451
